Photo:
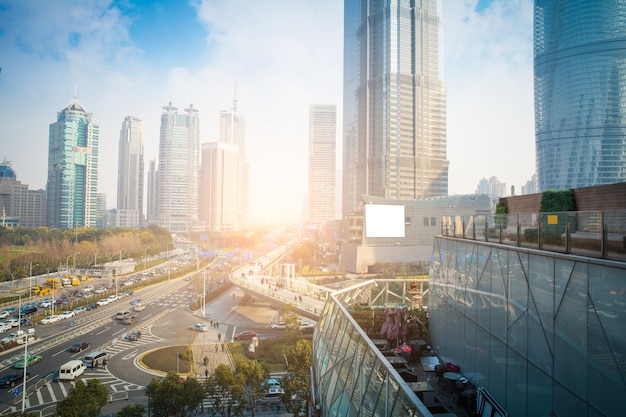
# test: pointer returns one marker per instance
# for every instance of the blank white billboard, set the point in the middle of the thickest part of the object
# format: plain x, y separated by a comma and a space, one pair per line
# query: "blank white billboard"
384, 220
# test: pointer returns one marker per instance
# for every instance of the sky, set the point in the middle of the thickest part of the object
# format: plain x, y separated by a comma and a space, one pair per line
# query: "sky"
277, 57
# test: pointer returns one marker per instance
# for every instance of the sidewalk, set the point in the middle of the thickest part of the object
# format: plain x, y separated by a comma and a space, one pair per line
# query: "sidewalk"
208, 352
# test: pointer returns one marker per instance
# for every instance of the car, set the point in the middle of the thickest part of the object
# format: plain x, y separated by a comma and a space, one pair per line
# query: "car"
128, 292
134, 336
279, 326
200, 327
102, 302
11, 310
29, 361
79, 310
306, 327
13, 322
88, 288
79, 347
47, 303
66, 315
4, 326
28, 310
4, 314
13, 378
136, 301
100, 290
139, 307
26, 321
91, 306
60, 300
9, 339
129, 320
248, 334
50, 319
112, 298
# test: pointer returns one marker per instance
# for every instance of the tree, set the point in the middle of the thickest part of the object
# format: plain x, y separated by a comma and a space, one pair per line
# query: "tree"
132, 411
297, 381
174, 396
225, 390
251, 375
84, 400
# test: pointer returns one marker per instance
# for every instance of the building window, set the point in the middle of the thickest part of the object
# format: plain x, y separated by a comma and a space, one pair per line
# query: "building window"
425, 221
433, 221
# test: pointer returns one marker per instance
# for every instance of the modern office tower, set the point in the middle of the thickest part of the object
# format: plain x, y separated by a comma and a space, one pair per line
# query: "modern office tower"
19, 206
580, 90
219, 195
492, 187
152, 191
130, 173
322, 151
177, 183
394, 102
531, 186
72, 169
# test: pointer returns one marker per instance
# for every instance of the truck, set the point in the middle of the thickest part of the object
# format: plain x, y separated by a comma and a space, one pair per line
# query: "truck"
75, 281
66, 282
54, 282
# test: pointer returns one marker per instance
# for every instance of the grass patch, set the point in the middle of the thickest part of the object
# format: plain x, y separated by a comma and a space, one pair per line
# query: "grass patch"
269, 352
165, 359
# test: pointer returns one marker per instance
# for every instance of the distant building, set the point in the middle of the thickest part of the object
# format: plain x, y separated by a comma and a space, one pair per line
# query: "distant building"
178, 174
19, 206
580, 80
130, 173
322, 151
152, 191
224, 177
72, 169
492, 187
394, 133
531, 186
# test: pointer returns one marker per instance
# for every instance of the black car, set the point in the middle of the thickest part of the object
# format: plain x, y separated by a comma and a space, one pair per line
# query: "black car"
79, 347
9, 380
91, 306
134, 336
28, 310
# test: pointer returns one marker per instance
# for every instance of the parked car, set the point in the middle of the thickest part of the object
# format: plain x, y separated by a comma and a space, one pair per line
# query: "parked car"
79, 310
4, 326
102, 302
248, 334
13, 378
128, 292
4, 314
11, 310
50, 319
134, 336
88, 288
47, 303
91, 306
279, 326
79, 347
13, 322
28, 361
25, 311
200, 327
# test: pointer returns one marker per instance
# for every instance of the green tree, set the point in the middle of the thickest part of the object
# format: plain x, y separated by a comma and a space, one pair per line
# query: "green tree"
251, 376
174, 396
225, 391
84, 400
297, 382
132, 411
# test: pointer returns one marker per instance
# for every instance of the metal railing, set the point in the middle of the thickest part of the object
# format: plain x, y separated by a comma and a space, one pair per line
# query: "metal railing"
596, 234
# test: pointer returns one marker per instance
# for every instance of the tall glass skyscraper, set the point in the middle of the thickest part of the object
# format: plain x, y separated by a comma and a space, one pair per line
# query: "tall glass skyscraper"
71, 199
130, 173
394, 102
580, 92
178, 174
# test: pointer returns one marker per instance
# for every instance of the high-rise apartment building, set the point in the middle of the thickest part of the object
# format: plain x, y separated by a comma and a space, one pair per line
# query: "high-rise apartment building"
580, 90
224, 176
71, 199
322, 152
20, 206
130, 173
151, 204
491, 187
177, 179
394, 102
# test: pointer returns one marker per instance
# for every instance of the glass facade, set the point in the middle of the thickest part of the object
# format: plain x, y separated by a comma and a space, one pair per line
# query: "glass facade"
580, 92
351, 375
394, 102
542, 332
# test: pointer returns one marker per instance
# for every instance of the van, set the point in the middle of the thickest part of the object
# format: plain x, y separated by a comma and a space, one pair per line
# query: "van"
90, 359
121, 315
66, 282
70, 370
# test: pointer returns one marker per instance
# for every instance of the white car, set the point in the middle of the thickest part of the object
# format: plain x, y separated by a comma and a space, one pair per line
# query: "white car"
66, 315
112, 298
102, 302
50, 319
200, 327
88, 288
79, 310
47, 303
4, 326
4, 314
13, 322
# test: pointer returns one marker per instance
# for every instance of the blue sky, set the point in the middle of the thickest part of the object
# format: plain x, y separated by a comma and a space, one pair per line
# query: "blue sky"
132, 57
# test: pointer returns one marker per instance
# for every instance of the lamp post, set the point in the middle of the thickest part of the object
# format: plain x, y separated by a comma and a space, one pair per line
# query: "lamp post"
67, 263
25, 367
204, 292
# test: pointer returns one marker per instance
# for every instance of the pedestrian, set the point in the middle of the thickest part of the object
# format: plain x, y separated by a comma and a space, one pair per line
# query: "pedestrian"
104, 362
223, 348
206, 361
300, 297
219, 337
95, 364
216, 348
206, 374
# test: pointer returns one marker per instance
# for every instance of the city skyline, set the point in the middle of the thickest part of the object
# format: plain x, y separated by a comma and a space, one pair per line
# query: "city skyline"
124, 61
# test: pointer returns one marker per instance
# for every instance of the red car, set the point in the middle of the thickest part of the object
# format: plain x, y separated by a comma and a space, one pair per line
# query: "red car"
248, 334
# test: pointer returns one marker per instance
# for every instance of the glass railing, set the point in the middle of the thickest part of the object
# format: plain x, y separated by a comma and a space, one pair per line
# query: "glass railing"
597, 234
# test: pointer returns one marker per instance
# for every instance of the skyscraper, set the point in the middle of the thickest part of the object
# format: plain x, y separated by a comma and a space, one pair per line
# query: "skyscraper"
224, 176
177, 178
580, 90
71, 199
394, 102
322, 151
130, 173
